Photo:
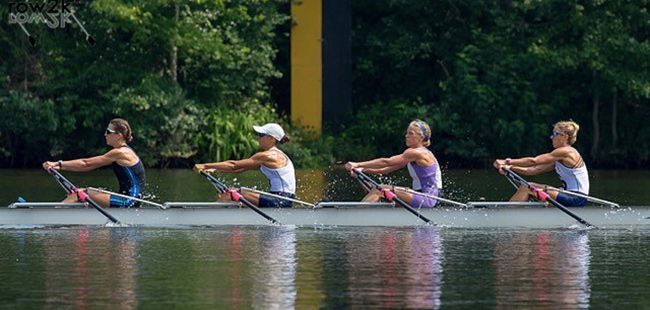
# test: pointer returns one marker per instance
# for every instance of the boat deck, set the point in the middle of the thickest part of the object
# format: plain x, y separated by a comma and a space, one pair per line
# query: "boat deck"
478, 214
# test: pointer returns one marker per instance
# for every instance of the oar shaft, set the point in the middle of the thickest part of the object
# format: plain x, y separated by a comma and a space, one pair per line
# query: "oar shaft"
127, 197
222, 188
278, 196
373, 183
257, 210
590, 198
553, 201
71, 188
408, 190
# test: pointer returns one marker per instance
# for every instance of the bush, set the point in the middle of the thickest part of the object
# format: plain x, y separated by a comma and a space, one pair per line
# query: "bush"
165, 123
29, 127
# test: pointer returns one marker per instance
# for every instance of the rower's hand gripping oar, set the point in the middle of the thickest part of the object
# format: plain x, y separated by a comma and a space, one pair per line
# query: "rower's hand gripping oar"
388, 194
81, 195
543, 196
223, 188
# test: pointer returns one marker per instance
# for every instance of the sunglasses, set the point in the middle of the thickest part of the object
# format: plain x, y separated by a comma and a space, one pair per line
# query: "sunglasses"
260, 135
555, 134
109, 131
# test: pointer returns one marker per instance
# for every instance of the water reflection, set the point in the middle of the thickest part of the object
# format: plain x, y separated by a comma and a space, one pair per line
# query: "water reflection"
542, 270
395, 269
275, 270
97, 267
283, 268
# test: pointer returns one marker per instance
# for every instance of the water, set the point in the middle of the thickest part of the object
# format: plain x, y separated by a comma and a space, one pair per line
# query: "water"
286, 267
283, 267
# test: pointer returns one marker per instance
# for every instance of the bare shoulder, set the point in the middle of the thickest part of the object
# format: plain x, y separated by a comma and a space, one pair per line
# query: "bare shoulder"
422, 155
123, 155
264, 156
563, 151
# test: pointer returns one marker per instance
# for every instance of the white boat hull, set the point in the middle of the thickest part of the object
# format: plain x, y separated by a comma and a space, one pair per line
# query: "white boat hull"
480, 214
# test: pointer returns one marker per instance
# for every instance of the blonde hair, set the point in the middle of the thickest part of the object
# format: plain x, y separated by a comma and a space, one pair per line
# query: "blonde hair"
424, 129
570, 128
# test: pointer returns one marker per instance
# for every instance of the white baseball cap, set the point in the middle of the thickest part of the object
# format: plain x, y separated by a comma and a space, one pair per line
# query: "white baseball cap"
272, 129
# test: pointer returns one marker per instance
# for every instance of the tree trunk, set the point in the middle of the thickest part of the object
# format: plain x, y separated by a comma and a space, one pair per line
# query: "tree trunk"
596, 126
173, 70
614, 119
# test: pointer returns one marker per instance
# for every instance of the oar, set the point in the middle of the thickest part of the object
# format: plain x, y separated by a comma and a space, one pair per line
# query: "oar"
408, 190
99, 190
390, 195
223, 188
590, 198
546, 197
81, 195
304, 203
512, 181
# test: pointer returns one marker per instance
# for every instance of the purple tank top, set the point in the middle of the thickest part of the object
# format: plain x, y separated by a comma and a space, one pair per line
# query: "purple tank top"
426, 179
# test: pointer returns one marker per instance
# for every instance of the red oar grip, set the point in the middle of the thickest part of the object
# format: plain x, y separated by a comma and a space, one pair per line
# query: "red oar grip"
235, 195
81, 195
539, 194
388, 194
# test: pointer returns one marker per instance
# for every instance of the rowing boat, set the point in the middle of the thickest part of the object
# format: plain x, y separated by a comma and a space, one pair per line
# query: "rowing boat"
476, 215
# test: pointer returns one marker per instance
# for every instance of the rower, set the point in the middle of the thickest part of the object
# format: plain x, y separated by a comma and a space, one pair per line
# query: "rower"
126, 164
564, 159
271, 161
420, 161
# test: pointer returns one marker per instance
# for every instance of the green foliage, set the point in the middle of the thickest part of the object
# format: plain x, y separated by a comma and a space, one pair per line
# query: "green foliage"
379, 130
228, 132
162, 65
30, 126
496, 75
307, 150
192, 77
165, 123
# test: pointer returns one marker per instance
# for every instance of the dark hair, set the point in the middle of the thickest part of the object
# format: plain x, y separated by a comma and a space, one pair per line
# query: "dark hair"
122, 126
284, 140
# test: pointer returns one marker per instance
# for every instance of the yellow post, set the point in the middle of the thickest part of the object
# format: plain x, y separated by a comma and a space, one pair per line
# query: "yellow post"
306, 64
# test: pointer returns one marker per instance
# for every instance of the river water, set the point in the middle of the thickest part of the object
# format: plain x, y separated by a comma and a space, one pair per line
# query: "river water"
269, 267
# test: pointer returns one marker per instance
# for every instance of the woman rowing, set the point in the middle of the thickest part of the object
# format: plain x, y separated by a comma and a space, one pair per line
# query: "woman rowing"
566, 161
422, 166
271, 161
125, 162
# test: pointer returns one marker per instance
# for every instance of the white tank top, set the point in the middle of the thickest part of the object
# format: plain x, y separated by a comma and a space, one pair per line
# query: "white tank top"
282, 179
574, 179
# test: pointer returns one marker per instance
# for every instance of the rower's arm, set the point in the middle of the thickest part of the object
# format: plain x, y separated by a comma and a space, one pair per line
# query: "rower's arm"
92, 163
534, 170
542, 159
392, 163
236, 166
384, 170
